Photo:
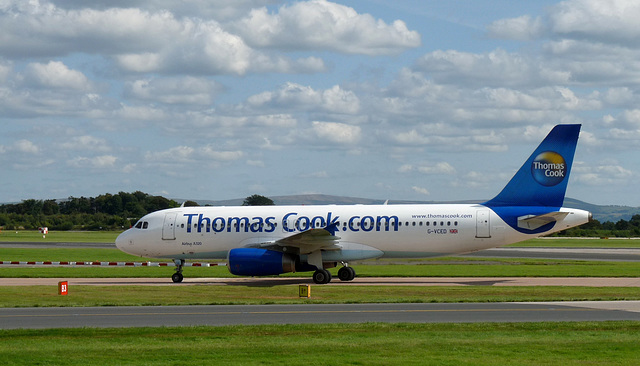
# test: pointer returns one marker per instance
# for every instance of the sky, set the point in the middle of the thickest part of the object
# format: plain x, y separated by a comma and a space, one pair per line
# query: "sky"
402, 100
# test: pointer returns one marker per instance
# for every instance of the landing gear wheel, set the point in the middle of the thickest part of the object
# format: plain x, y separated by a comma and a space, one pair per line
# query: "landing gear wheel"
346, 274
177, 277
321, 276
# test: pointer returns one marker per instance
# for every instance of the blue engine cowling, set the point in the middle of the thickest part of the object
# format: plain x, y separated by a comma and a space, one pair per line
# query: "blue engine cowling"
260, 262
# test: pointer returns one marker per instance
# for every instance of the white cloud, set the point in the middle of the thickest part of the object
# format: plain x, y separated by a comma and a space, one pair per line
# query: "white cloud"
139, 40
434, 168
56, 74
604, 174
320, 24
178, 154
496, 68
318, 175
256, 163
438, 168
607, 21
98, 162
175, 90
210, 153
296, 96
420, 190
412, 137
342, 101
337, 132
142, 113
185, 154
522, 28
25, 146
216, 9
86, 142
276, 120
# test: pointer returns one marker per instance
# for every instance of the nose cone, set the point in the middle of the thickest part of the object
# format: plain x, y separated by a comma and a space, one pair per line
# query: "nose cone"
124, 241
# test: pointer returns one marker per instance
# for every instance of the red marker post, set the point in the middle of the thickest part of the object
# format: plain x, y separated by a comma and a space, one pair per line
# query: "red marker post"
63, 288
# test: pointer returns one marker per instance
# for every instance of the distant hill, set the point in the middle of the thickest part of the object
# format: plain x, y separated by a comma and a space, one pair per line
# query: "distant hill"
601, 213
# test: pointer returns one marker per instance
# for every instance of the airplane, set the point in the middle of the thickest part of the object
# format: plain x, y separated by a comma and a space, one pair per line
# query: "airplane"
271, 240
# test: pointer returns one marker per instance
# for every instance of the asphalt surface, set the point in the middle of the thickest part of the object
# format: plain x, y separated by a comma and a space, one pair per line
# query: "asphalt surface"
219, 315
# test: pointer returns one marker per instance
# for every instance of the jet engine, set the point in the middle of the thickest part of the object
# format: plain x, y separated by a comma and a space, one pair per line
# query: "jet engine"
260, 262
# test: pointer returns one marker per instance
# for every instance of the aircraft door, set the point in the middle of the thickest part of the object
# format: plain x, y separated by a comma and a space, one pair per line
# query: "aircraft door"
169, 227
482, 224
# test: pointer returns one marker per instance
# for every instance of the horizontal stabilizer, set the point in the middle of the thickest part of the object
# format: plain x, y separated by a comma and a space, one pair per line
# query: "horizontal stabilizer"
532, 222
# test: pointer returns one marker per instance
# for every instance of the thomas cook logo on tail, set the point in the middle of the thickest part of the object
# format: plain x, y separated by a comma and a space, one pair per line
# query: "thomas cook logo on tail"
549, 168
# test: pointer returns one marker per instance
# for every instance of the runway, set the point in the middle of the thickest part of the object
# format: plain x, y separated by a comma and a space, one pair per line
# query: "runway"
219, 315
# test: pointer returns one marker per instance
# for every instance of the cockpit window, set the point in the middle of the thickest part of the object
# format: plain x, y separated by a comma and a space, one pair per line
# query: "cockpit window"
142, 225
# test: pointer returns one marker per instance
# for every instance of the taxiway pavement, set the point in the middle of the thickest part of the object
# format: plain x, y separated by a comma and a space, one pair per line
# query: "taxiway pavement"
219, 315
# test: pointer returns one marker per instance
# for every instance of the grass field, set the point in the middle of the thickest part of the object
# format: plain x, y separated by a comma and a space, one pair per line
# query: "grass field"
59, 236
587, 343
590, 343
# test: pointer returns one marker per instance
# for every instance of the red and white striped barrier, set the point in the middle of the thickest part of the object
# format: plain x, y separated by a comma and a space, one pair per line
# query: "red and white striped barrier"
105, 264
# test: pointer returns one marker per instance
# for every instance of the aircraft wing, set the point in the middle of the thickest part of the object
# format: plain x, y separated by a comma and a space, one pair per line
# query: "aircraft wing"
306, 241
533, 222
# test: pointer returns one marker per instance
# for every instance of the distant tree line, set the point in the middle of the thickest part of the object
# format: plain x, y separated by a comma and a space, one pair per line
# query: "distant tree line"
105, 212
621, 229
118, 211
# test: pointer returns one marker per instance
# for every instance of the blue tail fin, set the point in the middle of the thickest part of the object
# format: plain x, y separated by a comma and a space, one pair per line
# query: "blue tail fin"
542, 180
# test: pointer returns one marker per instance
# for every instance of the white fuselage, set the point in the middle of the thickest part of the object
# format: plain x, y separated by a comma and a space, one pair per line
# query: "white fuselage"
363, 231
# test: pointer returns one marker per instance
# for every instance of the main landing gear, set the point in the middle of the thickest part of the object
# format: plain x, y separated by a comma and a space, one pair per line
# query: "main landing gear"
178, 277
322, 276
346, 273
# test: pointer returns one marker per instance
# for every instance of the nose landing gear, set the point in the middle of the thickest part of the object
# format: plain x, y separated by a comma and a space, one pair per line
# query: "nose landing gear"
178, 277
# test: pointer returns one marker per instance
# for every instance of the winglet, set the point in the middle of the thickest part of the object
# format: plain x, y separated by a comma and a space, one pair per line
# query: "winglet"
542, 180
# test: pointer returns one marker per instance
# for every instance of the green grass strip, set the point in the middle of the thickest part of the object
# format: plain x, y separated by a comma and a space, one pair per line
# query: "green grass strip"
586, 343
59, 236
